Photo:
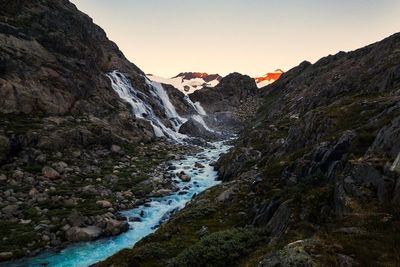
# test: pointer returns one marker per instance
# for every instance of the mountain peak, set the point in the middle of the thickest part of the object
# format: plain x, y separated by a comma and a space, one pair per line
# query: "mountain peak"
268, 78
188, 82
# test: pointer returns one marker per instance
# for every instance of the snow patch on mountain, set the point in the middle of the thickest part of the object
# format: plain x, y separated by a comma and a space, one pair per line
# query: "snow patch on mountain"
188, 82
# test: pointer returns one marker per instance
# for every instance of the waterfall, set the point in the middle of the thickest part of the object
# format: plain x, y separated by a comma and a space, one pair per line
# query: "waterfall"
201, 113
197, 106
158, 91
200, 120
142, 110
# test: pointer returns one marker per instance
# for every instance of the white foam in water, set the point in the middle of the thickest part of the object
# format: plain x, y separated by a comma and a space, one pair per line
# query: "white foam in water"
88, 253
142, 110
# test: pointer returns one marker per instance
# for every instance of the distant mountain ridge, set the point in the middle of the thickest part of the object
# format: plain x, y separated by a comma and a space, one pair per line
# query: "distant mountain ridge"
268, 78
189, 82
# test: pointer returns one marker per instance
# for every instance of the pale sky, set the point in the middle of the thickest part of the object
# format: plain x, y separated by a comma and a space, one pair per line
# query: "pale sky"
165, 37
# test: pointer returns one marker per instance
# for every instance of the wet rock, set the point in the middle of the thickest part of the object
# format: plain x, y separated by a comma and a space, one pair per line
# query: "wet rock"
50, 173
199, 165
171, 167
78, 234
185, 178
162, 193
135, 219
115, 227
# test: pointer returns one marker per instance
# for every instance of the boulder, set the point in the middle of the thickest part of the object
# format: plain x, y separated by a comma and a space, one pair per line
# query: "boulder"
161, 193
185, 178
50, 173
115, 227
199, 165
78, 234
196, 129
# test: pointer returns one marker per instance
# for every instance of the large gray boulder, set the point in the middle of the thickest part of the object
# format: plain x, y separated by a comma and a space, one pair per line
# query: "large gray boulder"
194, 128
78, 234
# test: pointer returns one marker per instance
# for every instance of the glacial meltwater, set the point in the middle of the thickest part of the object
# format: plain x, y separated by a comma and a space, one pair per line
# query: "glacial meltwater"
159, 210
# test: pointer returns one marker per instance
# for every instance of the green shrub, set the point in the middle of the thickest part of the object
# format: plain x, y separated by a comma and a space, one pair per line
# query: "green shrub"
222, 248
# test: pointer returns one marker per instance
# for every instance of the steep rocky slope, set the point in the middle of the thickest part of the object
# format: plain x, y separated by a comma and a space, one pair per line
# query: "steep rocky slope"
72, 153
313, 181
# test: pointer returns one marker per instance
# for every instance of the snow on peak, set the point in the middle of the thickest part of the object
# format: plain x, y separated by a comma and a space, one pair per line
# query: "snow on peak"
188, 82
268, 78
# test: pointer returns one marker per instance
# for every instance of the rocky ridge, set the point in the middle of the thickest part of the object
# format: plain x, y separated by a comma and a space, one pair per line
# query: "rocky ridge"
231, 103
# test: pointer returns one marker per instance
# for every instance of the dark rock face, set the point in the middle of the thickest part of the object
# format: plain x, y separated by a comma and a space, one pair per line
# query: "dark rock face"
231, 102
196, 129
62, 46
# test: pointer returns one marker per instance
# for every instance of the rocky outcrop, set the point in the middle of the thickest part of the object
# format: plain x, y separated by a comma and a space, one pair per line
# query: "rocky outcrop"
232, 102
196, 129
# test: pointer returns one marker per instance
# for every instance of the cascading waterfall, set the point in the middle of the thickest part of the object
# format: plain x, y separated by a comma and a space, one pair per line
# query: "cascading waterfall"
201, 113
158, 91
142, 110
197, 106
